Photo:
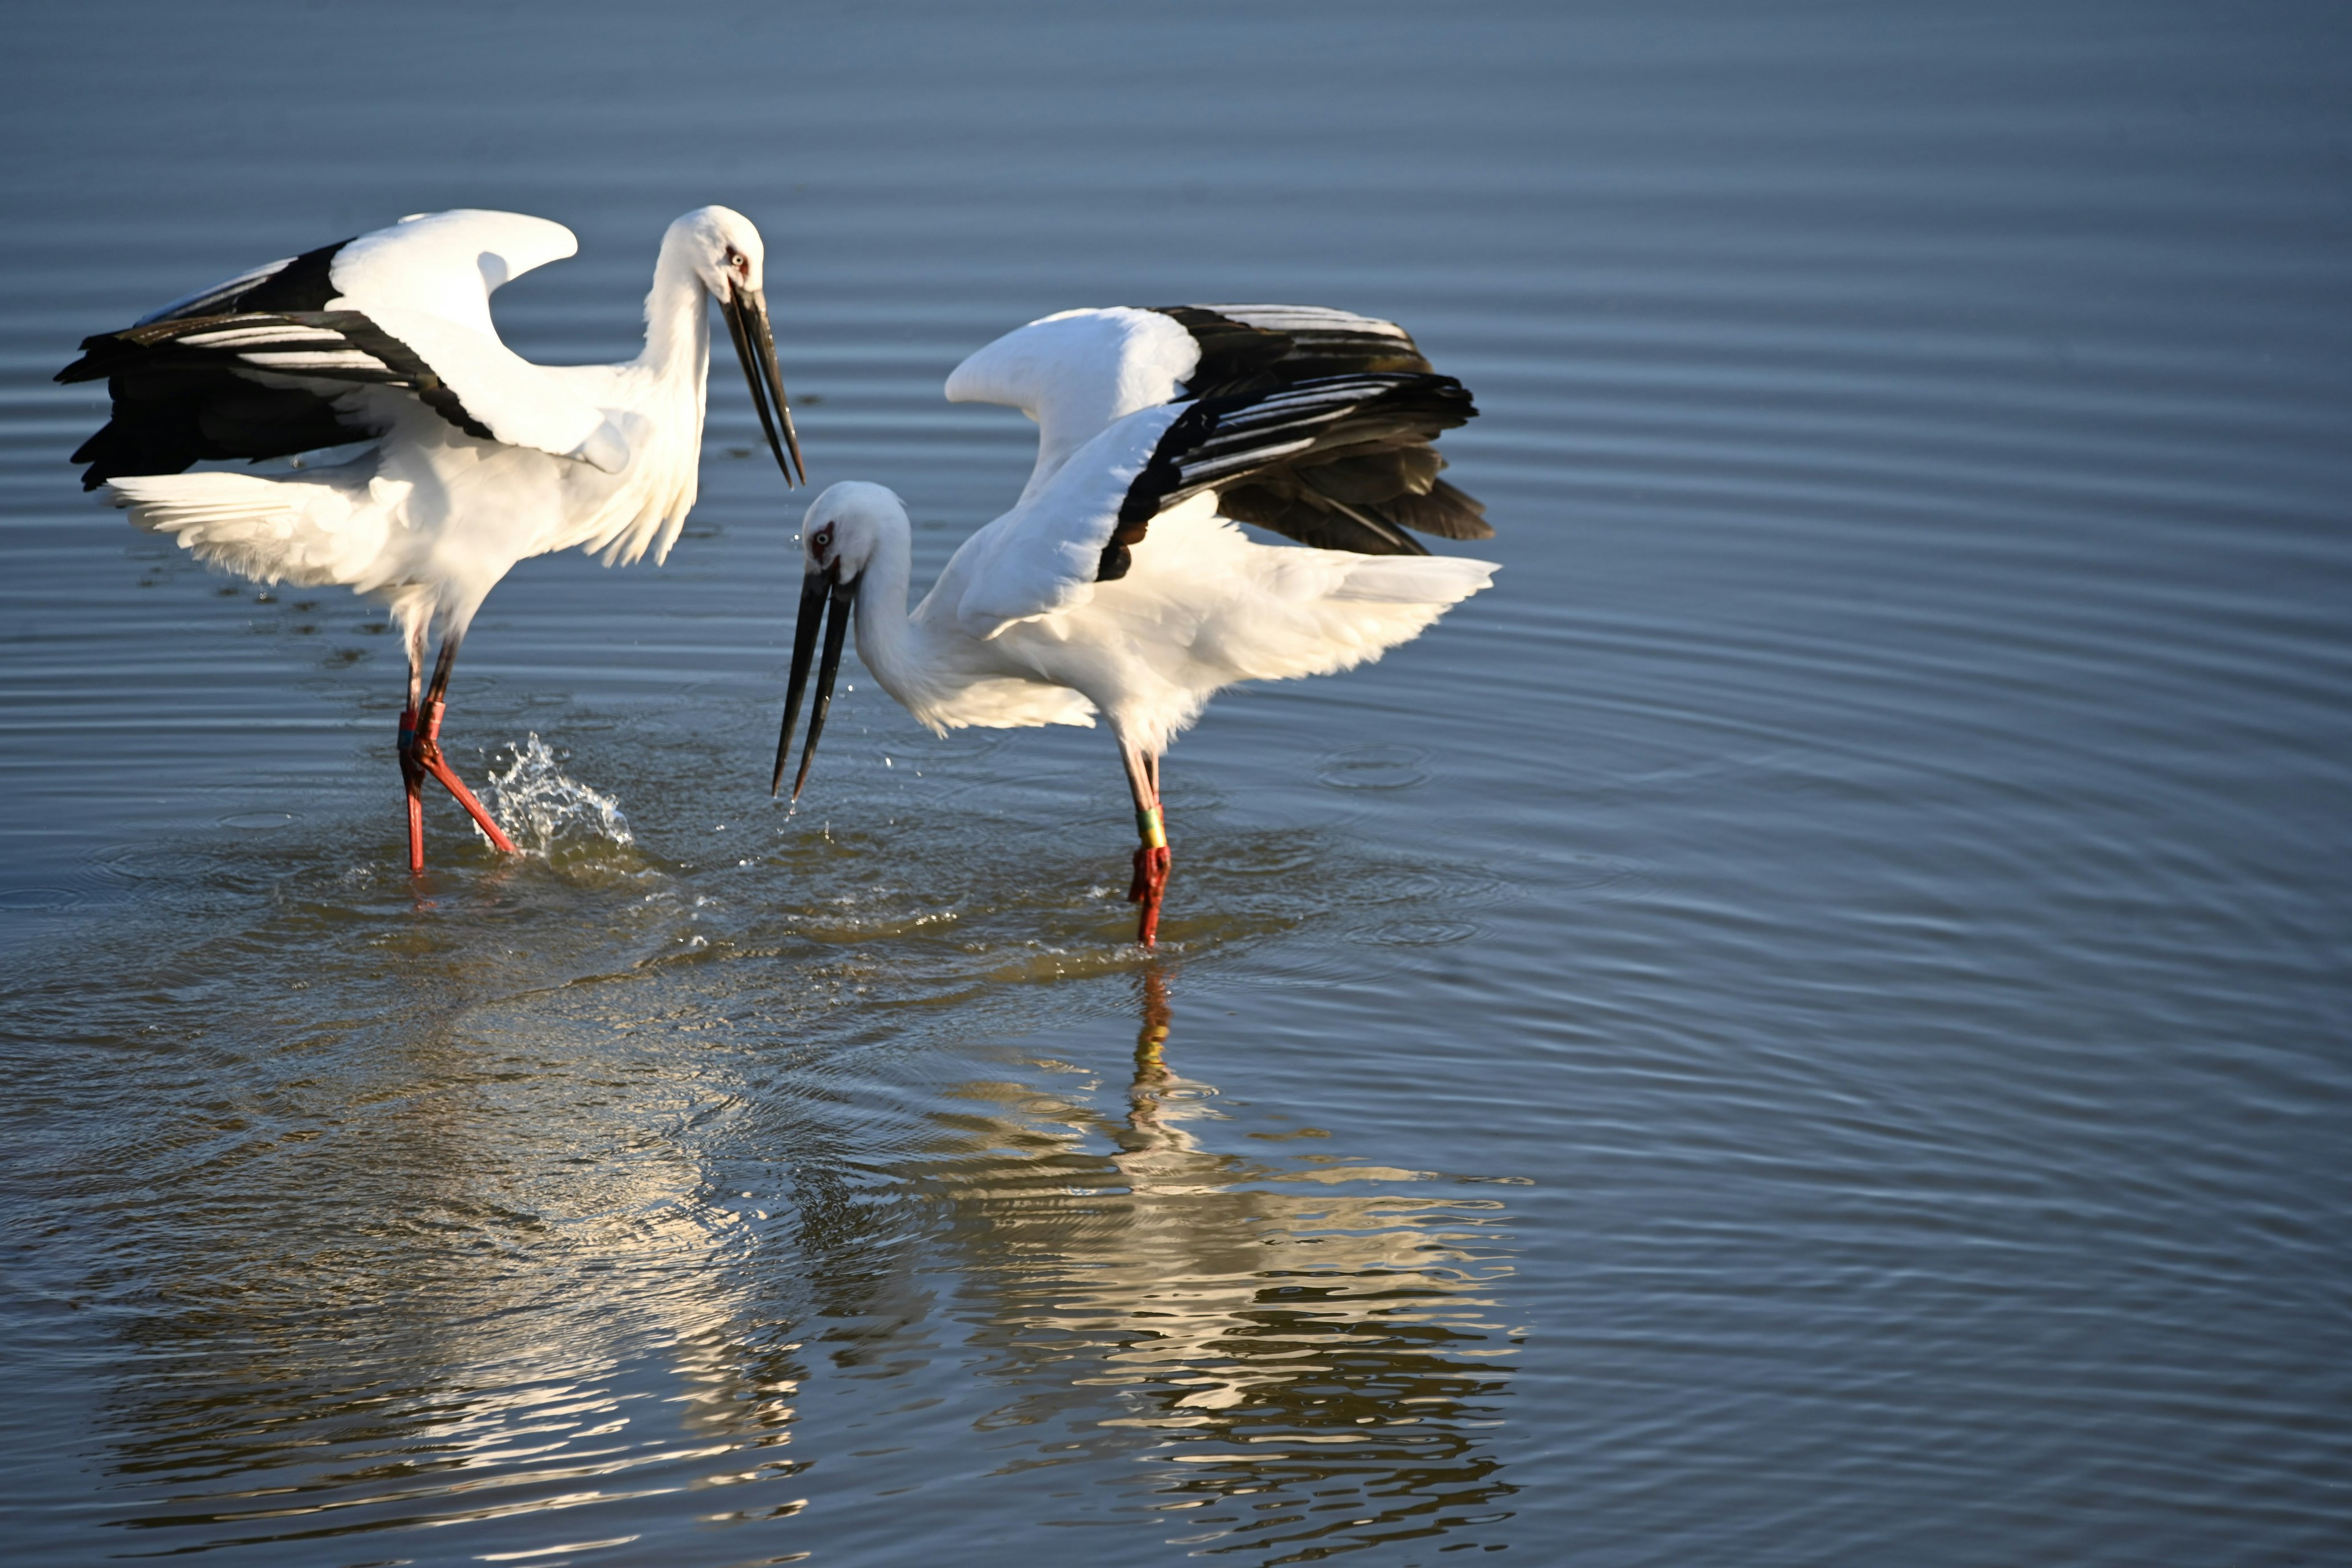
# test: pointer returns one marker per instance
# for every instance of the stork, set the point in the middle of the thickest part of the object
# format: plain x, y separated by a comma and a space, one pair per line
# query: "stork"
1118, 585
423, 457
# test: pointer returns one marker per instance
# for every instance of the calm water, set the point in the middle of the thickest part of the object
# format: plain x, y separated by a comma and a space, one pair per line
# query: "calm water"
1807, 1026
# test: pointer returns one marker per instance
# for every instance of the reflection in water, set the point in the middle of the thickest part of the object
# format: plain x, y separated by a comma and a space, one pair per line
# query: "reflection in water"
496, 1220
498, 1264
553, 1386
1304, 1356
443, 1273
1877, 857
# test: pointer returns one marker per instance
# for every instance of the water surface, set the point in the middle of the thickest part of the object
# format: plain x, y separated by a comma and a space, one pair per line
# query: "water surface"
1806, 1026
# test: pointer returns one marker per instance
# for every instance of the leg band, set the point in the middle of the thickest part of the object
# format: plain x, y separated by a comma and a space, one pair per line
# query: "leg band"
1147, 827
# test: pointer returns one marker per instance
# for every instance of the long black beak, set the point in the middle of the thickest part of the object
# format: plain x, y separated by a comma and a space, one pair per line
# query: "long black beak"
817, 589
747, 322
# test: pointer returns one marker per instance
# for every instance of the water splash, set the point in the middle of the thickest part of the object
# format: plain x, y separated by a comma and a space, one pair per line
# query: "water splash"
536, 803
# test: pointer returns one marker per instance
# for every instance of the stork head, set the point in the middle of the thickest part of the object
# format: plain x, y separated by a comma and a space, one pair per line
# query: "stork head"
726, 251
840, 536
845, 526
728, 258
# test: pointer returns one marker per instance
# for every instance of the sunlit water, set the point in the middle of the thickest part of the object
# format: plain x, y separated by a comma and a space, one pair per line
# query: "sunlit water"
1807, 1025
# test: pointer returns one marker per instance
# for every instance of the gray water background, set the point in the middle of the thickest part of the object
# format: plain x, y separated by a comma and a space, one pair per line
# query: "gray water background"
1808, 1025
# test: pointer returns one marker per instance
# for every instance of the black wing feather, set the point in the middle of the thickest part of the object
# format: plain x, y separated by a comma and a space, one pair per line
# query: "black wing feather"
1322, 461
304, 282
1258, 348
1360, 495
178, 402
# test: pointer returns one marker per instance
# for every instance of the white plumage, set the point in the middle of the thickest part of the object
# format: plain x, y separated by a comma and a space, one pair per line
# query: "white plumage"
420, 458
1114, 587
604, 457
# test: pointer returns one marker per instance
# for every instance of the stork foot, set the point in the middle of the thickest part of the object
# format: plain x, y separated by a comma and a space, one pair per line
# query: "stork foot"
1151, 864
420, 754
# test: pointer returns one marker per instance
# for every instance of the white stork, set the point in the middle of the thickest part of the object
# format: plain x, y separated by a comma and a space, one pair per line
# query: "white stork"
425, 458
1117, 586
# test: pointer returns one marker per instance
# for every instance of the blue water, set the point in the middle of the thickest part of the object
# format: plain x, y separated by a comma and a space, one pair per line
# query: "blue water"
1808, 1025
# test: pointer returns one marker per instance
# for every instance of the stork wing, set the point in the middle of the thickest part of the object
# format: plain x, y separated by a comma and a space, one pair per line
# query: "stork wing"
1079, 528
1044, 555
1078, 372
1253, 348
261, 367
447, 264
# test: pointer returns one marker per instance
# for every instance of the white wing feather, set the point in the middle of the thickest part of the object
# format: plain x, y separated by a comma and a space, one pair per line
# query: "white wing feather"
1202, 607
1078, 372
447, 264
1040, 558
427, 281
316, 531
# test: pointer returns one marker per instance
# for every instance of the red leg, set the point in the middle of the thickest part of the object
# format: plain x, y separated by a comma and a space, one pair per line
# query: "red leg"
1152, 857
1150, 883
412, 781
420, 747
427, 751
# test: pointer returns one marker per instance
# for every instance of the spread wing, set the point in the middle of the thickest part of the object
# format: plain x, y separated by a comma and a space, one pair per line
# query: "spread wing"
1079, 527
1253, 348
1362, 497
265, 365
1078, 372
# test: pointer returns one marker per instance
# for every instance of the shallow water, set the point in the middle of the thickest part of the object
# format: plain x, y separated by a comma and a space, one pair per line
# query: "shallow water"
1806, 1026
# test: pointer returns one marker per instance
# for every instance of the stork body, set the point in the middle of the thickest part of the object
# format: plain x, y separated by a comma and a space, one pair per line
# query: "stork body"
414, 458
1119, 585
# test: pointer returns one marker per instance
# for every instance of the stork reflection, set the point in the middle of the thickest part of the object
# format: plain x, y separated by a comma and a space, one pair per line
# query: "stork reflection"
390, 1327
1242, 1333
1148, 1127
1251, 1326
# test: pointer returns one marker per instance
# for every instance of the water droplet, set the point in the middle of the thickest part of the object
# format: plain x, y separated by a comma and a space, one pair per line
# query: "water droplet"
536, 803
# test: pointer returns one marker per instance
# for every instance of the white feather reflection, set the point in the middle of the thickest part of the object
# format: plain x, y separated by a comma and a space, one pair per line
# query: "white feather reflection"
505, 1301
1257, 1327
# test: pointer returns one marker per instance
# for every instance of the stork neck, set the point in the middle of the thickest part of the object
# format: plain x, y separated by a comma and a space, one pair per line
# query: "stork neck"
886, 636
677, 319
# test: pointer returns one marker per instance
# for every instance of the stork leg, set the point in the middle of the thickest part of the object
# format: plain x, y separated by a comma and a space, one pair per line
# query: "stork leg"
1152, 857
412, 772
420, 754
